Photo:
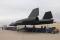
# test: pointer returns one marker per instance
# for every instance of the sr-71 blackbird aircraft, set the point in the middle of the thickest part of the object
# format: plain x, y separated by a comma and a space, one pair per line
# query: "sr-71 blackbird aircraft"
34, 20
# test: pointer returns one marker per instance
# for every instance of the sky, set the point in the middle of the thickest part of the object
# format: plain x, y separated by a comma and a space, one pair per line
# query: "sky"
13, 10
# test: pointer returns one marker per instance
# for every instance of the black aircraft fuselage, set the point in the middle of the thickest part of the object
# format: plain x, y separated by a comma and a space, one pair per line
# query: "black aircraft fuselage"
34, 20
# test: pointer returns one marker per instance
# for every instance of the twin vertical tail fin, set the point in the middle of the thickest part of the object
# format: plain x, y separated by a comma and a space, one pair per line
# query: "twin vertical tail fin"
34, 13
48, 15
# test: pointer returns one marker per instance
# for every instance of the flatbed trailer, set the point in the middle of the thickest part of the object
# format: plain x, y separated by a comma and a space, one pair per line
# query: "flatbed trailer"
41, 30
34, 29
